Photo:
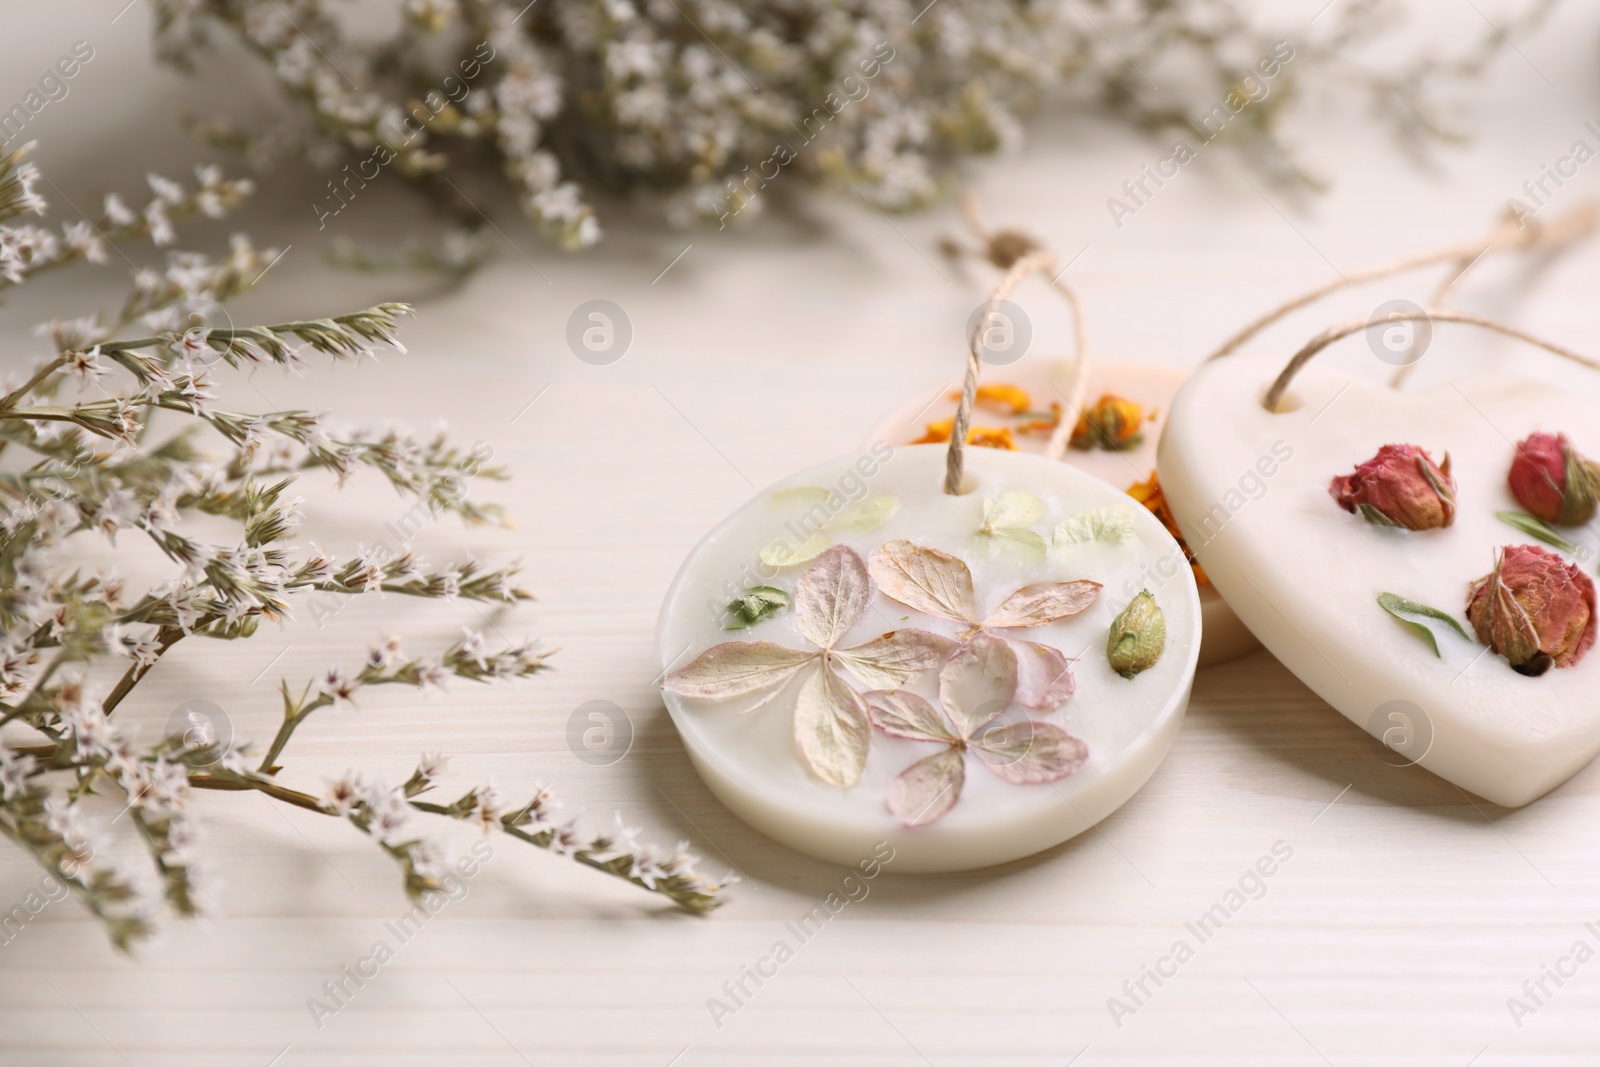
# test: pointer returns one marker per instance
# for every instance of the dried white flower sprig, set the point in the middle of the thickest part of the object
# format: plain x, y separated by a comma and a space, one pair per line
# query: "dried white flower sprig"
129, 463
711, 102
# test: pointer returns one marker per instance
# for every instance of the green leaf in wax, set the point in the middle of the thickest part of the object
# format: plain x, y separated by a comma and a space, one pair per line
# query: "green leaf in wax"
866, 516
1006, 518
1536, 528
782, 554
801, 494
1011, 509
1112, 523
1407, 612
755, 604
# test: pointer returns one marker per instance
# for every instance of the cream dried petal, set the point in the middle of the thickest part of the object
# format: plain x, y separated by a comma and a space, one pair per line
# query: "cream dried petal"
901, 714
924, 579
737, 669
890, 661
832, 729
1042, 602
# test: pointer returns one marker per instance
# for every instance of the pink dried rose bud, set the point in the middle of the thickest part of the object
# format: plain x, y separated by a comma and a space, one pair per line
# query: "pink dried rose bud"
1400, 486
1535, 609
1553, 482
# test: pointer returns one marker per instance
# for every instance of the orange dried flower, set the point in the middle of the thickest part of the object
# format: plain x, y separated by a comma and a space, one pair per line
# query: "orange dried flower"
992, 437
1045, 422
982, 436
1001, 399
1112, 422
1149, 494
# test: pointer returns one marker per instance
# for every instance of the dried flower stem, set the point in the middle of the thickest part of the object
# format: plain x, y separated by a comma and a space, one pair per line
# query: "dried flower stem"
95, 467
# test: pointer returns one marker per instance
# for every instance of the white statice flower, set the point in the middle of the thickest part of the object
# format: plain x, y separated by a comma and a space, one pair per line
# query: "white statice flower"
82, 239
472, 647
58, 518
184, 604
193, 345
116, 510
430, 859
432, 676
183, 841
342, 689
161, 230
385, 653
390, 812
431, 766
86, 723
406, 567
26, 177
491, 805
624, 839
72, 692
449, 584
141, 646
15, 666
209, 197
366, 571
254, 433
344, 794
24, 249
168, 790
112, 589
86, 365
62, 817
318, 567
646, 867
167, 191
14, 771
684, 863
565, 839
237, 758
117, 213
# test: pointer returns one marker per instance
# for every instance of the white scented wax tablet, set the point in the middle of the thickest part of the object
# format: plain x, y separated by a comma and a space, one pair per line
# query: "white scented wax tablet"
855, 657
1251, 488
1045, 384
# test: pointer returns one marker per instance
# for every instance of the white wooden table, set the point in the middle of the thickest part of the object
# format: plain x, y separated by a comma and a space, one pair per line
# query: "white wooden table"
1405, 918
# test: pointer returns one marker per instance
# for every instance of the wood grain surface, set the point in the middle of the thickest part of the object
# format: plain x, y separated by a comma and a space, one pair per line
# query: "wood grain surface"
1403, 917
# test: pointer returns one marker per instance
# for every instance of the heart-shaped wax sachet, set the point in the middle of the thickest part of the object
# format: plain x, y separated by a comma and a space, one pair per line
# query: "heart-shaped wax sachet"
1349, 528
855, 658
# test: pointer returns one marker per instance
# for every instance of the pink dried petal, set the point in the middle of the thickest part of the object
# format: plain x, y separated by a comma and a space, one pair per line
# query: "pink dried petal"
1030, 753
832, 595
978, 683
928, 788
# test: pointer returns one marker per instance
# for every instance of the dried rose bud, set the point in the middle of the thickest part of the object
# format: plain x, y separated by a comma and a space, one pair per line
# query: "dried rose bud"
1137, 636
1535, 609
1400, 486
1553, 482
1112, 422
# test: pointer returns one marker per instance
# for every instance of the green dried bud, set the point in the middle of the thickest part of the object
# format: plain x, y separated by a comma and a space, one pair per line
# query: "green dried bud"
757, 603
1137, 636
